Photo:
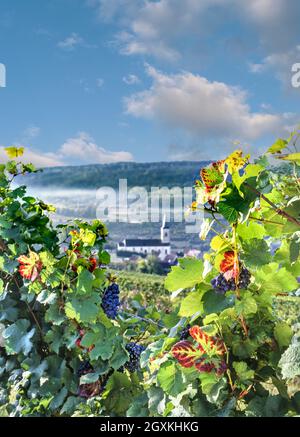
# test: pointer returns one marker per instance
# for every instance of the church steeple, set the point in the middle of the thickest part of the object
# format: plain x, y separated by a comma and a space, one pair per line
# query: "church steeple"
165, 231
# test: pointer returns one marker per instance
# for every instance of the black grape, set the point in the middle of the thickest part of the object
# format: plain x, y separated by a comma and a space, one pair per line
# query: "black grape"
185, 333
111, 301
84, 368
134, 351
222, 285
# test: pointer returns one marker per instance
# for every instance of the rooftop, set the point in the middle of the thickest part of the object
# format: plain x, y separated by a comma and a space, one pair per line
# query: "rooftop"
138, 242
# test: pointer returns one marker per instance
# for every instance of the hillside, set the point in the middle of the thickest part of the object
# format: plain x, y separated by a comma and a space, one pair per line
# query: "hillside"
170, 174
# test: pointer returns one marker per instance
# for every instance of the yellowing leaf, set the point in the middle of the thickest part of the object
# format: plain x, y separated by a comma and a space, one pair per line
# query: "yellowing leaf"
294, 157
30, 266
14, 152
218, 243
278, 146
236, 161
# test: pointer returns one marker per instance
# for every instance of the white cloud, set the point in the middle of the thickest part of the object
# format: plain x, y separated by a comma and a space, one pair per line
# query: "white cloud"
71, 42
203, 109
37, 158
157, 28
83, 149
280, 62
131, 79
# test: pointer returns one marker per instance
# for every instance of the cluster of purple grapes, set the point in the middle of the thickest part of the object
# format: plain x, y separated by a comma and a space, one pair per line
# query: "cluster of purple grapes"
185, 333
221, 284
134, 350
84, 368
95, 388
111, 301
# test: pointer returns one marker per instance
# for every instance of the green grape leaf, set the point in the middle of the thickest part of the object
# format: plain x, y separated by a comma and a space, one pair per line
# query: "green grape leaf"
191, 304
186, 275
246, 305
170, 379
18, 338
89, 378
83, 309
228, 212
256, 252
243, 372
294, 251
119, 357
58, 399
70, 405
215, 303
84, 281
157, 400
138, 407
273, 279
283, 334
248, 231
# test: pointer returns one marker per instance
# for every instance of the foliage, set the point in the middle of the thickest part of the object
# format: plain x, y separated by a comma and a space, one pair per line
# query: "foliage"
237, 358
59, 352
150, 265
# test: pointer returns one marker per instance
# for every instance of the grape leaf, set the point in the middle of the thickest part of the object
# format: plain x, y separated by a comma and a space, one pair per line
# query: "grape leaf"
248, 231
215, 303
84, 281
18, 338
83, 309
283, 334
191, 304
247, 305
243, 372
256, 252
228, 212
186, 275
170, 379
274, 280
278, 146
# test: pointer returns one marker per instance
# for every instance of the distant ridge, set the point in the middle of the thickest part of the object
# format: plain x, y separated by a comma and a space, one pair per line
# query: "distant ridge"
168, 174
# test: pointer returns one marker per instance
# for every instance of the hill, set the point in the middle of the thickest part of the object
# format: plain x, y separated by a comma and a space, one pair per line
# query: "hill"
169, 174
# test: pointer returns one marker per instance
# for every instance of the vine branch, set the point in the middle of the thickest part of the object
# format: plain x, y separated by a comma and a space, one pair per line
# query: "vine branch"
273, 206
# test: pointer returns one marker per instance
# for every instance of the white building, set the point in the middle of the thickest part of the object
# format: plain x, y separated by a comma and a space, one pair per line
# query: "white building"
159, 247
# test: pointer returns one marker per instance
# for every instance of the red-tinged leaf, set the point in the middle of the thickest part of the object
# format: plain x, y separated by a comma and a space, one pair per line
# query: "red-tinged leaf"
219, 166
211, 177
204, 367
200, 336
222, 368
186, 353
210, 345
93, 264
230, 265
30, 266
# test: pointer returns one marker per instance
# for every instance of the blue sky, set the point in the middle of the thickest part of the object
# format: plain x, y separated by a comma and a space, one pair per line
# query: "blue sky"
93, 81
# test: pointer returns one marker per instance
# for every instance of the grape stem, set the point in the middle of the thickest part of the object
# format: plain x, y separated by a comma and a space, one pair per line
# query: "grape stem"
273, 206
238, 295
144, 319
30, 310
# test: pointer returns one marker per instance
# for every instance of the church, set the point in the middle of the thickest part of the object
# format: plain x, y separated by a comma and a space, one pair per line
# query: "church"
159, 247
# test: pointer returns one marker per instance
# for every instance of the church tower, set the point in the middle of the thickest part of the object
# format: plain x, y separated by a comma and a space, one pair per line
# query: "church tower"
165, 231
